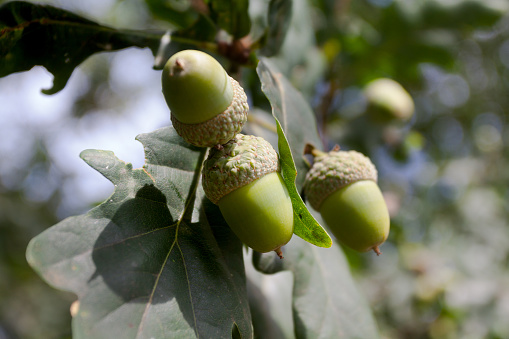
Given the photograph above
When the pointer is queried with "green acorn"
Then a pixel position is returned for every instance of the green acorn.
(243, 178)
(208, 107)
(388, 101)
(342, 186)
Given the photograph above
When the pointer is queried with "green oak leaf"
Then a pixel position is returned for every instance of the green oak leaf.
(156, 259)
(305, 225)
(291, 111)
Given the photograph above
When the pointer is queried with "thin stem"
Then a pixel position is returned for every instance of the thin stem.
(311, 149)
(279, 252)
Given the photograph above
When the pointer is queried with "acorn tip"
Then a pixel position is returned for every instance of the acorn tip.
(279, 252)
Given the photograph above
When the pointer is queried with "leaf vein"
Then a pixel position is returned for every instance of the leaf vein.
(131, 237)
(190, 293)
(149, 302)
(191, 196)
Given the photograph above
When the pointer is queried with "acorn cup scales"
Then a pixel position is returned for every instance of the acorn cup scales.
(342, 186)
(243, 178)
(208, 107)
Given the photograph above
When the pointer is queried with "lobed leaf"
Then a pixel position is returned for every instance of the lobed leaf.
(155, 260)
(59, 40)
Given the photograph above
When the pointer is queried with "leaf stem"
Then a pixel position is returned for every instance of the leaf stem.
(279, 252)
(311, 149)
(191, 198)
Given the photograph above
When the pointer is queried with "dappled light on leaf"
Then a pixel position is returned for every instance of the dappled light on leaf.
(153, 259)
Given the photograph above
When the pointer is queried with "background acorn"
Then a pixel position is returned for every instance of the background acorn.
(388, 101)
(342, 186)
(243, 178)
(207, 106)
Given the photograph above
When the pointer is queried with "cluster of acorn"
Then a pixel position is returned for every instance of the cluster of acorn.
(242, 172)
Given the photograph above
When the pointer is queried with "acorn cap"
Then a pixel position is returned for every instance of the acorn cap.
(239, 162)
(222, 127)
(334, 170)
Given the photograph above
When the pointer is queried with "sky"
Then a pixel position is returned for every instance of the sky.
(29, 119)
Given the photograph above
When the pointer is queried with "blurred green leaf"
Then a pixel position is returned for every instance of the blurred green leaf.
(279, 17)
(462, 15)
(155, 258)
(179, 13)
(203, 30)
(397, 40)
(232, 16)
(24, 311)
(33, 35)
(326, 301)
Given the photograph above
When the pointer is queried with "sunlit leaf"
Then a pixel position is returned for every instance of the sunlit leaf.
(291, 110)
(305, 225)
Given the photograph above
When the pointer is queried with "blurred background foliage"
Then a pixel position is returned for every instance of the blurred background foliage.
(444, 270)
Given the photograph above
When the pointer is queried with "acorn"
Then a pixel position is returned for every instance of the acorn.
(243, 178)
(388, 101)
(342, 186)
(208, 107)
